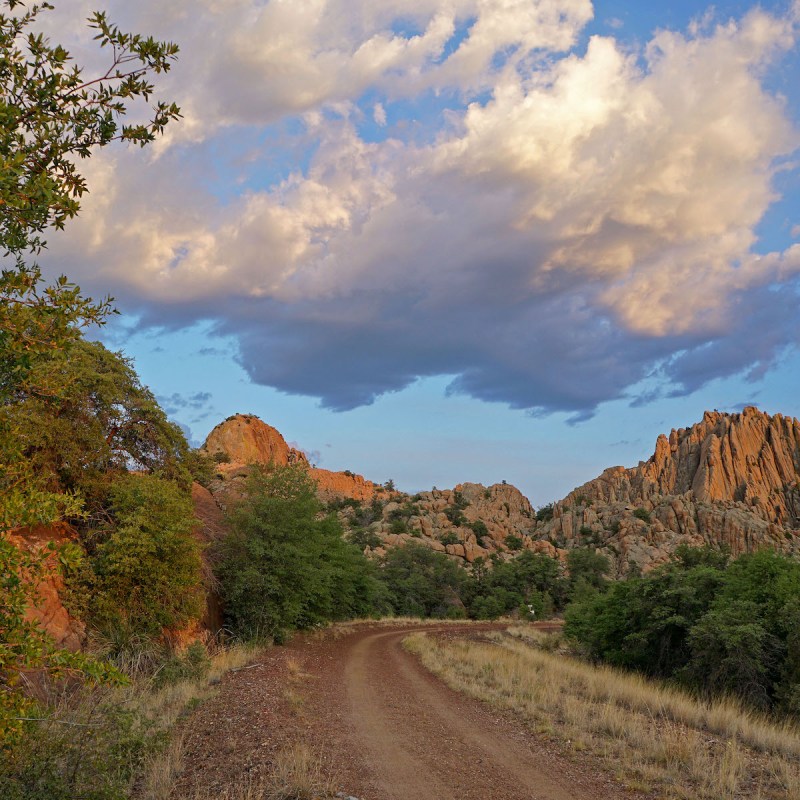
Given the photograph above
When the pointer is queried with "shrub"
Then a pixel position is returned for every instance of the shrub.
(363, 538)
(449, 538)
(455, 515)
(513, 543)
(545, 513)
(421, 582)
(148, 570)
(283, 567)
(190, 665)
(642, 514)
(459, 501)
(398, 526)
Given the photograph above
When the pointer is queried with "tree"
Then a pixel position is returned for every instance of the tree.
(98, 423)
(282, 566)
(148, 570)
(51, 115)
(587, 571)
(421, 582)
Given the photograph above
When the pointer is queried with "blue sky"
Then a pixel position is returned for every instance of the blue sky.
(475, 240)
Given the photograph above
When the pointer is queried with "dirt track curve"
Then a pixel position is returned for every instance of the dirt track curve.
(386, 728)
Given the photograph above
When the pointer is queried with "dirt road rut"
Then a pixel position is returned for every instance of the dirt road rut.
(385, 728)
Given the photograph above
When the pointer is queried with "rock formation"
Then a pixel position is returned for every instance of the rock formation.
(243, 440)
(752, 458)
(732, 480)
(49, 611)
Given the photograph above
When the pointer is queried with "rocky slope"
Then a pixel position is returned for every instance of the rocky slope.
(243, 440)
(467, 522)
(731, 479)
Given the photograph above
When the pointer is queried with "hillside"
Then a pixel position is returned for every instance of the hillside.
(731, 480)
(466, 522)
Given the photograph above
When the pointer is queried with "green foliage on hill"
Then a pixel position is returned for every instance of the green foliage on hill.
(531, 579)
(421, 582)
(51, 115)
(722, 629)
(83, 417)
(284, 566)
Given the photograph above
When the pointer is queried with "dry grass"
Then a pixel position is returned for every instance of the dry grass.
(651, 737)
(296, 775)
(166, 705)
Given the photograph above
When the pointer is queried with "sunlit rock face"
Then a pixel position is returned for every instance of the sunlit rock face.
(750, 458)
(730, 480)
(245, 439)
(47, 609)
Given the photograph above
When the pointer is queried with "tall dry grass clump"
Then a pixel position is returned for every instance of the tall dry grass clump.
(296, 774)
(110, 742)
(653, 738)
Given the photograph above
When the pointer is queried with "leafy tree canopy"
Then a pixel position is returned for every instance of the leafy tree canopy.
(83, 416)
(286, 567)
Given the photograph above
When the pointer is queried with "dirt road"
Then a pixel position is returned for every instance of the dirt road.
(385, 728)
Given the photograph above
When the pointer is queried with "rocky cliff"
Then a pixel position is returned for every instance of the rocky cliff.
(49, 611)
(750, 458)
(731, 479)
(243, 440)
(467, 522)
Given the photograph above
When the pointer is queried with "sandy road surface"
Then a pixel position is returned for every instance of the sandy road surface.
(386, 728)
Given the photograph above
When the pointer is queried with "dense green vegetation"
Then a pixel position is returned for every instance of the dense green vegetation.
(285, 566)
(719, 627)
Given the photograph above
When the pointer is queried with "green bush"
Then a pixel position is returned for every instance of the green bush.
(90, 749)
(398, 526)
(193, 664)
(283, 567)
(421, 582)
(528, 578)
(455, 515)
(148, 569)
(449, 538)
(545, 513)
(720, 628)
(514, 543)
(642, 514)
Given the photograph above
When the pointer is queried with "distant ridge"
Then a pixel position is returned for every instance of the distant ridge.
(731, 480)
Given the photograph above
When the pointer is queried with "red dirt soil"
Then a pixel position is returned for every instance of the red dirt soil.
(384, 727)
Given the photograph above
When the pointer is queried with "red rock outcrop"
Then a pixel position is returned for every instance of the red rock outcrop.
(245, 439)
(48, 611)
(343, 484)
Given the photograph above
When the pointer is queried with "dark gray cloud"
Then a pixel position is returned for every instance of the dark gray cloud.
(176, 402)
